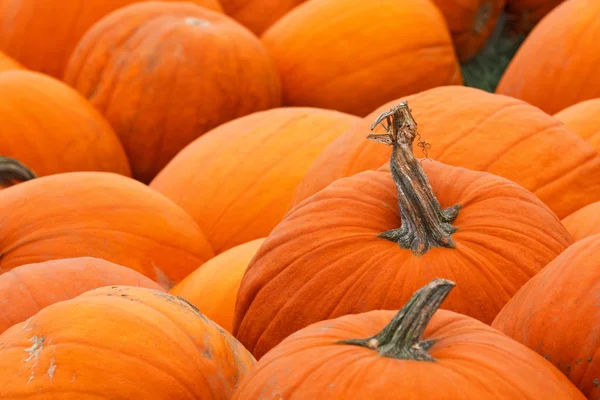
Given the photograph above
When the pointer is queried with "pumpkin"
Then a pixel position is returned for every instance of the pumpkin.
(41, 34)
(348, 249)
(12, 170)
(120, 343)
(51, 128)
(190, 70)
(102, 215)
(556, 314)
(241, 194)
(584, 119)
(213, 287)
(568, 70)
(481, 131)
(7, 63)
(418, 353)
(27, 289)
(584, 222)
(337, 54)
(258, 15)
(525, 14)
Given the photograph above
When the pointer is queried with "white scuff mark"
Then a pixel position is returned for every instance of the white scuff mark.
(162, 279)
(51, 368)
(73, 378)
(34, 353)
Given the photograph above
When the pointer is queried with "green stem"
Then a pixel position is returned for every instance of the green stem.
(12, 170)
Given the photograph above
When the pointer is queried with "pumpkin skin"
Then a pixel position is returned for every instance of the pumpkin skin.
(584, 222)
(329, 57)
(584, 119)
(258, 15)
(525, 14)
(99, 215)
(184, 54)
(155, 345)
(559, 306)
(27, 289)
(25, 24)
(244, 192)
(7, 63)
(481, 131)
(571, 28)
(51, 128)
(213, 287)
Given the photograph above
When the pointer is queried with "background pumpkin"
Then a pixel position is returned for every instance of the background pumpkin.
(51, 128)
(7, 63)
(42, 39)
(155, 346)
(258, 15)
(241, 194)
(213, 287)
(165, 73)
(525, 14)
(99, 215)
(584, 119)
(27, 289)
(330, 57)
(584, 222)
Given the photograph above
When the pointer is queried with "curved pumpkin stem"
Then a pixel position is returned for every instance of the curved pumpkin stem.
(12, 170)
(424, 223)
(401, 338)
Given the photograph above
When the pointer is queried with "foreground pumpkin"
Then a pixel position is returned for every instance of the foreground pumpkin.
(584, 222)
(27, 289)
(584, 119)
(337, 54)
(525, 14)
(348, 250)
(190, 70)
(556, 314)
(120, 343)
(258, 15)
(238, 180)
(99, 215)
(7, 63)
(213, 287)
(411, 355)
(480, 131)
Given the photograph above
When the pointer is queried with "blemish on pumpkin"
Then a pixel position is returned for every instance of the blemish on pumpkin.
(34, 353)
(589, 359)
(596, 382)
(51, 368)
(73, 378)
(192, 21)
(162, 279)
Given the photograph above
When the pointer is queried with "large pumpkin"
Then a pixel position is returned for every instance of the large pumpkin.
(41, 34)
(258, 15)
(556, 314)
(99, 215)
(584, 119)
(165, 73)
(348, 249)
(584, 222)
(481, 131)
(213, 287)
(51, 128)
(237, 181)
(339, 54)
(120, 343)
(525, 14)
(27, 289)
(7, 63)
(553, 80)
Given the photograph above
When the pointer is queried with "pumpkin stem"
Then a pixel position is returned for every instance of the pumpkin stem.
(401, 338)
(11, 170)
(424, 223)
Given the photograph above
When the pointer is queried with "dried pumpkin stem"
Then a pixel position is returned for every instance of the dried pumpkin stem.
(12, 170)
(424, 223)
(401, 338)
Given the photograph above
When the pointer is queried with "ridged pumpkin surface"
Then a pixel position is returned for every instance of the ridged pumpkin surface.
(481, 131)
(584, 222)
(556, 314)
(27, 289)
(165, 73)
(584, 119)
(525, 14)
(41, 34)
(120, 343)
(566, 75)
(258, 15)
(99, 215)
(338, 54)
(51, 128)
(213, 287)
(7, 63)
(237, 181)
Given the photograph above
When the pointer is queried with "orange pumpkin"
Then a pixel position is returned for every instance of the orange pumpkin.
(584, 119)
(12, 171)
(564, 76)
(238, 180)
(120, 343)
(41, 34)
(584, 222)
(481, 131)
(7, 63)
(99, 215)
(525, 14)
(556, 314)
(258, 15)
(190, 70)
(27, 289)
(51, 128)
(338, 54)
(213, 287)
(348, 250)
(409, 355)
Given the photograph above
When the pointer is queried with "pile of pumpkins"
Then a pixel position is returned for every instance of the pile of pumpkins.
(299, 199)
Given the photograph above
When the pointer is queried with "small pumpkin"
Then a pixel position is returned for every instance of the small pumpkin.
(27, 289)
(258, 15)
(556, 314)
(7, 63)
(213, 287)
(418, 353)
(120, 343)
(12, 171)
(584, 222)
(525, 14)
(584, 119)
(164, 73)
